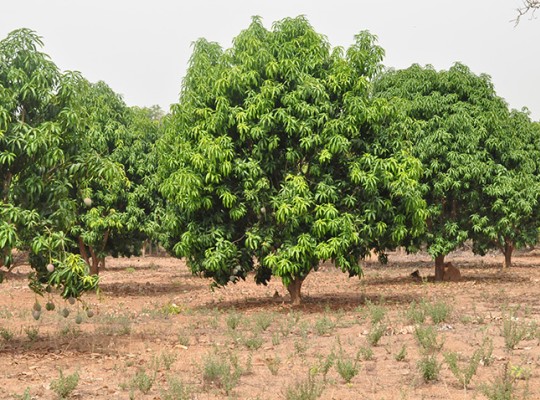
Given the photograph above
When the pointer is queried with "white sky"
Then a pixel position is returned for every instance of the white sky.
(141, 48)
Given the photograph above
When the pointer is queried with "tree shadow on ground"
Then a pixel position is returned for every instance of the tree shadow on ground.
(310, 304)
(136, 289)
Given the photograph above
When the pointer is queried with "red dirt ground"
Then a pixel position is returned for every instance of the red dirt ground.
(152, 315)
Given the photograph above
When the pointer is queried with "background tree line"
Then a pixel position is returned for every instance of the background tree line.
(281, 152)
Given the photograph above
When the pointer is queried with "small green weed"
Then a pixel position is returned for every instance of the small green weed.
(167, 359)
(263, 320)
(325, 364)
(221, 373)
(487, 351)
(376, 333)
(427, 339)
(513, 330)
(176, 390)
(64, 385)
(273, 364)
(365, 353)
(6, 334)
(401, 354)
(307, 389)
(300, 347)
(276, 339)
(416, 313)
(25, 396)
(463, 373)
(142, 381)
(233, 320)
(439, 311)
(502, 388)
(324, 326)
(32, 332)
(429, 368)
(184, 338)
(254, 342)
(170, 309)
(113, 324)
(376, 312)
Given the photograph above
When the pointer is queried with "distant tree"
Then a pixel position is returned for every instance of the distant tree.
(277, 157)
(456, 123)
(508, 215)
(138, 154)
(122, 202)
(101, 198)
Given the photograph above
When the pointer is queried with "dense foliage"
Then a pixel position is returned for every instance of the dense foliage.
(65, 145)
(277, 157)
(480, 174)
(281, 152)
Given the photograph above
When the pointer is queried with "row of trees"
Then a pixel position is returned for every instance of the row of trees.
(76, 169)
(281, 152)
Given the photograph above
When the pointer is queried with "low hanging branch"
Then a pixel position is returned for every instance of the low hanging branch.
(529, 6)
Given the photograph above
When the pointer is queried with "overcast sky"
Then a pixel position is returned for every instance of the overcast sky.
(141, 48)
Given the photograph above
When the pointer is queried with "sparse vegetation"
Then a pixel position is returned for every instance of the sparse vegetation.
(401, 354)
(464, 372)
(64, 385)
(429, 368)
(376, 333)
(427, 338)
(176, 390)
(143, 381)
(513, 330)
(273, 364)
(438, 311)
(501, 388)
(221, 372)
(307, 389)
(416, 313)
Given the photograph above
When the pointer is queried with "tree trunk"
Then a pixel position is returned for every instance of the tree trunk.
(6, 186)
(508, 250)
(94, 266)
(84, 253)
(143, 252)
(439, 268)
(294, 289)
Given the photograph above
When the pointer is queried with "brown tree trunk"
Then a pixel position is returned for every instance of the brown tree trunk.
(508, 250)
(439, 268)
(294, 289)
(94, 266)
(82, 250)
(143, 252)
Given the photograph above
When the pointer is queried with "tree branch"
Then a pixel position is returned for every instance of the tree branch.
(528, 6)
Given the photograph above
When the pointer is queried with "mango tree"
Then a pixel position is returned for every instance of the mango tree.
(277, 156)
(120, 203)
(508, 216)
(39, 142)
(460, 131)
(101, 197)
(138, 155)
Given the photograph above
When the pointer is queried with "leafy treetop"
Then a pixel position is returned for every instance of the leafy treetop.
(277, 156)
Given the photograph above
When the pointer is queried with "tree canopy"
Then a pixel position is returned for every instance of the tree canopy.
(277, 156)
(63, 154)
(476, 157)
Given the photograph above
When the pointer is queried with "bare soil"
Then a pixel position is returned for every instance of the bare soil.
(154, 322)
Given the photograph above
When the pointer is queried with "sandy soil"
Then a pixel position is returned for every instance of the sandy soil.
(156, 326)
